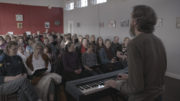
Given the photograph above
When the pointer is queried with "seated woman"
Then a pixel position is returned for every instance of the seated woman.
(22, 53)
(107, 56)
(84, 45)
(21, 41)
(125, 44)
(71, 63)
(89, 60)
(82, 49)
(29, 47)
(43, 81)
(92, 40)
(99, 45)
(13, 78)
(2, 43)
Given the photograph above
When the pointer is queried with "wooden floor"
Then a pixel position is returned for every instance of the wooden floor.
(172, 92)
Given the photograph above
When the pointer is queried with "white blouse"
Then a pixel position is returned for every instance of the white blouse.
(40, 64)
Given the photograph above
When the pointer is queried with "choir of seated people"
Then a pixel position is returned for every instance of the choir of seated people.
(13, 75)
(70, 56)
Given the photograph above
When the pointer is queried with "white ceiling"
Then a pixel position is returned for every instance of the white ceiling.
(52, 3)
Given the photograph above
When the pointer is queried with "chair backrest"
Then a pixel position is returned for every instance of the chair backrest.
(12, 97)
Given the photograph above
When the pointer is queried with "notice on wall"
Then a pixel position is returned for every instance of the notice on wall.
(10, 33)
(19, 17)
(47, 25)
(19, 25)
(112, 24)
(28, 32)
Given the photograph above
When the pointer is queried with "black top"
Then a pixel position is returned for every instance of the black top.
(71, 61)
(11, 66)
(116, 46)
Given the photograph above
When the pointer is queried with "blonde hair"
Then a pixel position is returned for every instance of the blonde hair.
(38, 44)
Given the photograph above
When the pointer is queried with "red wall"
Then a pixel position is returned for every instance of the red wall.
(34, 18)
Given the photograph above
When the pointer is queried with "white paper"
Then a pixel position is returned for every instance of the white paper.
(10, 33)
(28, 32)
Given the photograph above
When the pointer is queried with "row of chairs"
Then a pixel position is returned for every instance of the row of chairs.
(12, 97)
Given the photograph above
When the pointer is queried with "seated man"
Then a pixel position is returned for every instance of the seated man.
(13, 75)
(115, 44)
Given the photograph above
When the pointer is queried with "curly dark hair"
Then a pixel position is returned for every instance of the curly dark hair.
(145, 18)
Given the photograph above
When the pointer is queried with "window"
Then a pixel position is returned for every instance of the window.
(82, 3)
(98, 1)
(70, 6)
